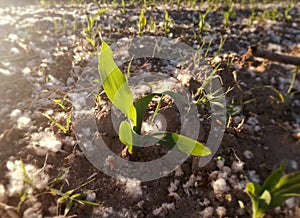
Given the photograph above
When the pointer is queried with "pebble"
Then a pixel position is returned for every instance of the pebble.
(207, 212)
(252, 121)
(220, 186)
(237, 166)
(290, 203)
(248, 154)
(221, 211)
(91, 197)
(253, 177)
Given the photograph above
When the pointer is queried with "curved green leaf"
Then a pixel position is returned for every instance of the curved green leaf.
(183, 143)
(115, 84)
(126, 135)
(273, 179)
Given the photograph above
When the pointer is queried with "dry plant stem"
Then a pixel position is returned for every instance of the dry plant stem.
(9, 210)
(254, 51)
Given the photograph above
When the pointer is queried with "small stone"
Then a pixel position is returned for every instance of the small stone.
(290, 203)
(207, 212)
(248, 154)
(220, 186)
(91, 197)
(252, 121)
(253, 177)
(257, 128)
(237, 166)
(221, 211)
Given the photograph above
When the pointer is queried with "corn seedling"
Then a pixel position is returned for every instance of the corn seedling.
(275, 190)
(152, 25)
(88, 31)
(287, 11)
(202, 23)
(167, 23)
(142, 22)
(252, 16)
(123, 6)
(227, 15)
(118, 92)
(178, 4)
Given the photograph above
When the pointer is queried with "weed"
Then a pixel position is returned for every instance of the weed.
(275, 190)
(117, 90)
(62, 103)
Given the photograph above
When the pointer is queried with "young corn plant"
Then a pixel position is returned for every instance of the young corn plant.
(167, 23)
(202, 23)
(118, 92)
(227, 15)
(275, 190)
(88, 31)
(142, 22)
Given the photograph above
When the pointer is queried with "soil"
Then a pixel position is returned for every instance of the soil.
(43, 57)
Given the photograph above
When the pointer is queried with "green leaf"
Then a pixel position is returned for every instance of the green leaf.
(126, 135)
(183, 143)
(61, 127)
(68, 208)
(70, 192)
(266, 196)
(288, 180)
(89, 203)
(273, 179)
(101, 11)
(115, 84)
(78, 195)
(62, 200)
(27, 179)
(141, 106)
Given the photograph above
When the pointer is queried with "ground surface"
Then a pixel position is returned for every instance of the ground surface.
(43, 55)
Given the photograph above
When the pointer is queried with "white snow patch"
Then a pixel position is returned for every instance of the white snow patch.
(23, 122)
(132, 186)
(44, 142)
(15, 114)
(220, 186)
(16, 177)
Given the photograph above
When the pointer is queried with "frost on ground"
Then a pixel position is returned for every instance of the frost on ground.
(44, 142)
(24, 178)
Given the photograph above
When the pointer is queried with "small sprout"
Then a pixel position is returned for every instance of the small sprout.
(118, 91)
(275, 190)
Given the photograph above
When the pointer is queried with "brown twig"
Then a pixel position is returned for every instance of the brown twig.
(254, 51)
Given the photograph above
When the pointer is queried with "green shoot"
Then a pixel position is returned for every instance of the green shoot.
(142, 22)
(117, 90)
(227, 15)
(66, 128)
(275, 190)
(167, 23)
(202, 23)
